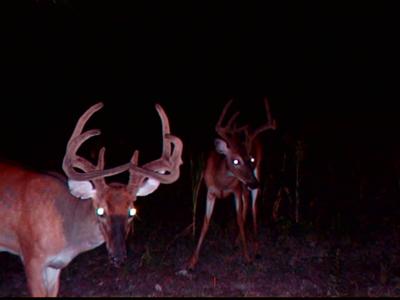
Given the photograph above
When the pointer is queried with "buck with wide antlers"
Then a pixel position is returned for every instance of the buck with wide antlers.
(45, 221)
(233, 167)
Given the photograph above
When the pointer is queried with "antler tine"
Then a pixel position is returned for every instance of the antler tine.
(100, 166)
(267, 109)
(100, 160)
(270, 124)
(166, 152)
(221, 130)
(166, 168)
(72, 160)
(231, 120)
(176, 156)
(84, 118)
(135, 158)
(73, 146)
(165, 129)
(74, 142)
(242, 128)
(165, 171)
(134, 180)
(223, 113)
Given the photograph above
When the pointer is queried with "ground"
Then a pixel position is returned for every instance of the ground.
(296, 261)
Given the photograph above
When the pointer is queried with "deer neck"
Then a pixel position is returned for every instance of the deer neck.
(218, 174)
(83, 233)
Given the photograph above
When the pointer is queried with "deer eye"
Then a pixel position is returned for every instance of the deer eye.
(100, 211)
(252, 159)
(235, 162)
(131, 212)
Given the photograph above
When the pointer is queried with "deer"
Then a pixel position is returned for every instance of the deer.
(47, 219)
(233, 167)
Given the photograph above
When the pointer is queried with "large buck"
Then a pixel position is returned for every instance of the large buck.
(233, 167)
(45, 221)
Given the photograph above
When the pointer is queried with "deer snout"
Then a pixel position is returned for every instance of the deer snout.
(118, 256)
(118, 261)
(249, 180)
(117, 245)
(254, 184)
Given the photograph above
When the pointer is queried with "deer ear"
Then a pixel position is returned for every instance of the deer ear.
(148, 186)
(81, 189)
(221, 146)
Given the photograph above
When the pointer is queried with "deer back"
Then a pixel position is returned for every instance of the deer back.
(40, 206)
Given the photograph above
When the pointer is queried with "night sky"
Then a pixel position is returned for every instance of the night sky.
(329, 69)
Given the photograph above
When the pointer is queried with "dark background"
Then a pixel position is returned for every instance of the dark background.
(328, 68)
(330, 71)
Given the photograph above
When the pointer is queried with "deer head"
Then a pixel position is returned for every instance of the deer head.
(114, 203)
(236, 148)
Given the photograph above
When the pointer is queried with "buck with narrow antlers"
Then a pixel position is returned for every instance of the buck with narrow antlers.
(45, 223)
(234, 168)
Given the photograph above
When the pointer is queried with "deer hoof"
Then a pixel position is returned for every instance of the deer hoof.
(192, 263)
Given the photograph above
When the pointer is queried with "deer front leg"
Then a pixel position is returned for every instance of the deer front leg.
(254, 194)
(34, 270)
(52, 279)
(209, 210)
(245, 203)
(240, 222)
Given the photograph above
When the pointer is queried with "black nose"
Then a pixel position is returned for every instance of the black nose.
(253, 185)
(117, 261)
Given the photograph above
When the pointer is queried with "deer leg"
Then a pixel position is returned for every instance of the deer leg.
(239, 219)
(52, 281)
(245, 201)
(34, 270)
(254, 194)
(206, 223)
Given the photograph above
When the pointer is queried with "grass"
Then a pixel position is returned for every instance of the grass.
(196, 175)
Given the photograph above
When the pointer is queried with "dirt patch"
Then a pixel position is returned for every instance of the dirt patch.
(296, 261)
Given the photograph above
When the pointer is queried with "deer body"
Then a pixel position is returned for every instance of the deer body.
(232, 168)
(47, 221)
(46, 251)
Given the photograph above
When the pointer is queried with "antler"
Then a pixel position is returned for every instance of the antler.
(100, 182)
(228, 129)
(72, 160)
(166, 168)
(270, 124)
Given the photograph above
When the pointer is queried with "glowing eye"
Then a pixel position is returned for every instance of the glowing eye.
(235, 162)
(132, 212)
(252, 159)
(100, 211)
